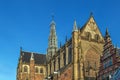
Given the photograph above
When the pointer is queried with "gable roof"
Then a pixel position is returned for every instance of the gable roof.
(83, 27)
(91, 18)
(38, 58)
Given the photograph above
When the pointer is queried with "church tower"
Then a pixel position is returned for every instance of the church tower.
(52, 41)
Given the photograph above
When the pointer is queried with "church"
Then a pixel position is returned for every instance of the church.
(77, 59)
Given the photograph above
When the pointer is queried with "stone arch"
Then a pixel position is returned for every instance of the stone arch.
(92, 58)
(93, 47)
(25, 68)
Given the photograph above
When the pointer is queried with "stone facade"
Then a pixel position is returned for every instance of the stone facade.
(82, 51)
(77, 59)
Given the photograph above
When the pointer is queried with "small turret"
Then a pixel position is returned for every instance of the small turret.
(107, 36)
(32, 56)
(107, 33)
(32, 67)
(108, 41)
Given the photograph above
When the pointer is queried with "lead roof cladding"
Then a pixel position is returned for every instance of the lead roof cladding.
(38, 58)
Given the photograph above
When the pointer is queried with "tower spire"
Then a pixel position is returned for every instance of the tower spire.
(75, 26)
(52, 40)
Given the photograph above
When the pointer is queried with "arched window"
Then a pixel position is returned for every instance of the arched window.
(41, 70)
(54, 65)
(36, 69)
(97, 37)
(69, 55)
(59, 62)
(25, 69)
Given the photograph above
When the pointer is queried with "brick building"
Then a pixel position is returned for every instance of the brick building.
(31, 66)
(110, 60)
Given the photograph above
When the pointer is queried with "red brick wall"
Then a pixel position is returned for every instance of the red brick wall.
(39, 76)
(32, 70)
(25, 76)
(66, 75)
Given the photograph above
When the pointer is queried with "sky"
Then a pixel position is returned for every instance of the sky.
(26, 24)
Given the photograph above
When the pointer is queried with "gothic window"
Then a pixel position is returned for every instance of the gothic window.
(97, 37)
(50, 68)
(36, 69)
(41, 70)
(54, 65)
(59, 62)
(25, 69)
(64, 57)
(88, 35)
(69, 54)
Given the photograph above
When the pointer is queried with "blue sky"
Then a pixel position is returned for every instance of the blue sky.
(26, 23)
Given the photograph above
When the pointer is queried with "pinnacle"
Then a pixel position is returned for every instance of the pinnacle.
(32, 56)
(107, 33)
(75, 26)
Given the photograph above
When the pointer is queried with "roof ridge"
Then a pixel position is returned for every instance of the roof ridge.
(33, 52)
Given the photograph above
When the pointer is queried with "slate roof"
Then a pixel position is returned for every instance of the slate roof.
(39, 58)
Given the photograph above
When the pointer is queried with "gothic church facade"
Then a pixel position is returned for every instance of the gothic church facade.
(77, 59)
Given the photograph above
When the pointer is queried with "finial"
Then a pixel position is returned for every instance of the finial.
(32, 56)
(53, 22)
(107, 33)
(75, 26)
(91, 13)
